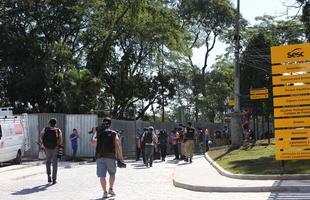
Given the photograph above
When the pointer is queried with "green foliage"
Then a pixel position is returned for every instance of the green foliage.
(38, 42)
(218, 90)
(127, 54)
(278, 32)
(258, 160)
(255, 65)
(306, 18)
(74, 56)
(255, 56)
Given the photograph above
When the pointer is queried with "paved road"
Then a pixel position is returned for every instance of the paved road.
(135, 182)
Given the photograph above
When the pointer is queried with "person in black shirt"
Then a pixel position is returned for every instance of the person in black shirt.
(189, 142)
(163, 140)
(149, 139)
(108, 149)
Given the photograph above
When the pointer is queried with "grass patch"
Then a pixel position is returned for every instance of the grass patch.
(258, 160)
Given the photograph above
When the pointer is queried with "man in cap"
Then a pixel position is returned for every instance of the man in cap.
(149, 139)
(108, 149)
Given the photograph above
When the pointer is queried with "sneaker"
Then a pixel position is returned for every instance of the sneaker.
(54, 181)
(111, 192)
(49, 179)
(105, 195)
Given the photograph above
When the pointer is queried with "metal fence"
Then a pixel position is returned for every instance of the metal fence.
(33, 135)
(83, 123)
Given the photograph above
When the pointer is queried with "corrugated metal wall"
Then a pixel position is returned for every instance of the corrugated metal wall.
(169, 126)
(83, 123)
(127, 128)
(33, 135)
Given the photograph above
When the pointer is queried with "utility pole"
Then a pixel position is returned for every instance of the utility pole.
(236, 131)
(162, 86)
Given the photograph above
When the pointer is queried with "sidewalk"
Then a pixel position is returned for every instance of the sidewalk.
(201, 176)
(29, 164)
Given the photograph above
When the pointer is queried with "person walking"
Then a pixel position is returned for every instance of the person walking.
(145, 130)
(74, 143)
(181, 144)
(108, 149)
(217, 136)
(50, 139)
(149, 139)
(200, 140)
(138, 144)
(206, 133)
(163, 140)
(174, 135)
(189, 142)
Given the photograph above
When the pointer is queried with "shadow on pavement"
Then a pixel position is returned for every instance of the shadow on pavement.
(185, 163)
(289, 196)
(172, 161)
(301, 194)
(26, 191)
(139, 166)
(252, 166)
(109, 198)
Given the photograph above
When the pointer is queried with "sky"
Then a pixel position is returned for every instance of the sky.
(249, 10)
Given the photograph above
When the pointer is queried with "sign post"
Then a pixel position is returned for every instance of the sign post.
(291, 98)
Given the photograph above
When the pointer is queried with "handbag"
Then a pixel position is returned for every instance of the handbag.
(121, 164)
(42, 154)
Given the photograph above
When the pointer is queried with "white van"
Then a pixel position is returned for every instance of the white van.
(14, 140)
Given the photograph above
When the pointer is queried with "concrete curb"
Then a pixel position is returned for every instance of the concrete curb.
(226, 173)
(198, 188)
(276, 186)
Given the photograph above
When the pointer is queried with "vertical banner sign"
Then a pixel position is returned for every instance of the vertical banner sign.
(291, 100)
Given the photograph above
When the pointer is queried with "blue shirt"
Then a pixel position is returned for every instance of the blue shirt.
(73, 141)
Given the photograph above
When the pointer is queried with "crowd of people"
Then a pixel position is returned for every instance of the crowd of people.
(152, 144)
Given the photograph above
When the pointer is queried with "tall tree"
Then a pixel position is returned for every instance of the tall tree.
(218, 88)
(39, 40)
(206, 22)
(124, 55)
(305, 18)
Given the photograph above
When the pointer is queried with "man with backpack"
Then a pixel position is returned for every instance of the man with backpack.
(108, 149)
(51, 138)
(149, 139)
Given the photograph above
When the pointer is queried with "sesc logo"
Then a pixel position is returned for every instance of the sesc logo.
(295, 53)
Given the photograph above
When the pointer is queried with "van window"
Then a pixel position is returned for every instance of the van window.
(0, 133)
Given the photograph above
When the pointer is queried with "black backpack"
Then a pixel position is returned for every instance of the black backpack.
(148, 138)
(50, 138)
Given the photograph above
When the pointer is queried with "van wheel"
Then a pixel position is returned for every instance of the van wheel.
(18, 159)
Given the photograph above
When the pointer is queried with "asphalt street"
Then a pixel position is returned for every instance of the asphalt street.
(79, 181)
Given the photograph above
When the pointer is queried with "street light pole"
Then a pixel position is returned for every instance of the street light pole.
(236, 132)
